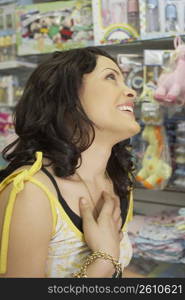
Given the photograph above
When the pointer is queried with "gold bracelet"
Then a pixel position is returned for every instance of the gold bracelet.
(92, 257)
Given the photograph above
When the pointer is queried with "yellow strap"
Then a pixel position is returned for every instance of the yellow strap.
(18, 179)
(24, 174)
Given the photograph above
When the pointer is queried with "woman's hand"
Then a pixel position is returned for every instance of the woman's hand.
(104, 233)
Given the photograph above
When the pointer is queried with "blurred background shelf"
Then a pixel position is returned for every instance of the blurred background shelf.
(151, 202)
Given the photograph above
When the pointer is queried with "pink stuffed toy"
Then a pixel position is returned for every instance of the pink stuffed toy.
(171, 85)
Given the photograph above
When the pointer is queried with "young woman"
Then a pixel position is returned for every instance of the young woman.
(65, 196)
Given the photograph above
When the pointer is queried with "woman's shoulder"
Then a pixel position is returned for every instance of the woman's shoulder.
(27, 184)
(26, 175)
(24, 188)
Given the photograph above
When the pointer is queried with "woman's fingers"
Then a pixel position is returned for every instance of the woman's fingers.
(111, 209)
(108, 206)
(86, 212)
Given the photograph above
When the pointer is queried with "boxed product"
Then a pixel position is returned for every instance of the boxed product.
(10, 90)
(48, 27)
(179, 174)
(161, 18)
(115, 21)
(7, 132)
(132, 68)
(7, 33)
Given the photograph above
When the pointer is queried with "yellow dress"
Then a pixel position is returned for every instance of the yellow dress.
(67, 248)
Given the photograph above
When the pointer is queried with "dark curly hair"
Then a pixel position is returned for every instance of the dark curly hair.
(50, 118)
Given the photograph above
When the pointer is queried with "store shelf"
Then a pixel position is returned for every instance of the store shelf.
(139, 45)
(150, 202)
(16, 64)
(133, 47)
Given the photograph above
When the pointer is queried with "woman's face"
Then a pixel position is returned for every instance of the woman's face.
(107, 101)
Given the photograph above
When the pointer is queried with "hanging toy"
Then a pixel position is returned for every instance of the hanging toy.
(171, 87)
(156, 169)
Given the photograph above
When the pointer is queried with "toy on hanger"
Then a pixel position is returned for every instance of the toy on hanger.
(171, 86)
(155, 170)
(156, 164)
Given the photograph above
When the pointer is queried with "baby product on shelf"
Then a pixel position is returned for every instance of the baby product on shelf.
(152, 14)
(6, 131)
(7, 33)
(161, 18)
(11, 89)
(132, 68)
(159, 237)
(179, 174)
(48, 27)
(115, 21)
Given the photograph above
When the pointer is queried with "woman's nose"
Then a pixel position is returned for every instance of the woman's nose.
(129, 93)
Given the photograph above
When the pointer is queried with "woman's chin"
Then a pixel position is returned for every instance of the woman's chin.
(137, 128)
(134, 129)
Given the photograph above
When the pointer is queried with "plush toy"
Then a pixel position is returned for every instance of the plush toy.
(155, 169)
(171, 85)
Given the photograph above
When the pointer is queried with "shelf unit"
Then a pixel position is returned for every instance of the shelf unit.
(16, 64)
(139, 45)
(152, 202)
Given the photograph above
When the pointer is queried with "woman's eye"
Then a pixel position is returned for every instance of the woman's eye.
(111, 76)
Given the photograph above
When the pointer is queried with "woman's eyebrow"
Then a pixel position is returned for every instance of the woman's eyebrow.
(117, 72)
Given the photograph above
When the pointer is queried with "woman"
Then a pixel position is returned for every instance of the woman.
(68, 200)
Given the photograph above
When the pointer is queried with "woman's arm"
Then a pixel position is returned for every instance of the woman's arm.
(30, 232)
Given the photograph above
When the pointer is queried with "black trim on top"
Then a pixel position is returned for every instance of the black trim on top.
(72, 215)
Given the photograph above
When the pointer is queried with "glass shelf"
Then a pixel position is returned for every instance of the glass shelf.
(16, 64)
(138, 46)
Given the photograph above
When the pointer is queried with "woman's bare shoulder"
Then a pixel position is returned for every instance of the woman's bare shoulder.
(30, 196)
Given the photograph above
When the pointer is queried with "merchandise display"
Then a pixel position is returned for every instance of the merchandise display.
(162, 236)
(115, 21)
(169, 15)
(10, 90)
(47, 27)
(156, 165)
(6, 131)
(154, 170)
(7, 33)
(179, 174)
(6, 90)
(132, 68)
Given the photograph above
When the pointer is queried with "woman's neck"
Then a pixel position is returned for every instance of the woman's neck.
(94, 163)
